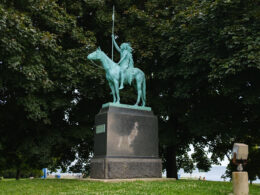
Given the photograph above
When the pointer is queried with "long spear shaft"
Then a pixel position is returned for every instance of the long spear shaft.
(113, 19)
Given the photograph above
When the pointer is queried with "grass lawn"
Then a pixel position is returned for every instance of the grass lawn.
(66, 186)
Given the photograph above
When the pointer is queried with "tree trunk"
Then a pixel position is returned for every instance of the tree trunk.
(171, 166)
(18, 173)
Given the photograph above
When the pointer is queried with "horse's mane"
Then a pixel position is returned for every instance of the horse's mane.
(107, 58)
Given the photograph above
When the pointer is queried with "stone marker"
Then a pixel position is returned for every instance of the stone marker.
(240, 178)
(125, 143)
(240, 183)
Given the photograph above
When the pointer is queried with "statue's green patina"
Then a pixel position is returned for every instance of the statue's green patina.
(121, 73)
(126, 60)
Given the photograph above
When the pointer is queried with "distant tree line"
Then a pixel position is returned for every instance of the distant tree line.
(202, 65)
(25, 173)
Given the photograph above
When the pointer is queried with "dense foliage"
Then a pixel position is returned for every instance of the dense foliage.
(202, 64)
(44, 73)
(25, 173)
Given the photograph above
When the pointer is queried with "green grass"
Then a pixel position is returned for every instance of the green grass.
(66, 186)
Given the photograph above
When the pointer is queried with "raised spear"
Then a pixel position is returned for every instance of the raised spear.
(113, 20)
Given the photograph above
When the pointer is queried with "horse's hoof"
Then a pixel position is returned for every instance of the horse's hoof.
(121, 87)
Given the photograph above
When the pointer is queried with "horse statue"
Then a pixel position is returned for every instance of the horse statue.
(112, 70)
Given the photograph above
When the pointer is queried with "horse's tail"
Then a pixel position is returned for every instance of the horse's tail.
(144, 89)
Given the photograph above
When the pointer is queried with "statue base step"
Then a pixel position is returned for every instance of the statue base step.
(124, 168)
(126, 106)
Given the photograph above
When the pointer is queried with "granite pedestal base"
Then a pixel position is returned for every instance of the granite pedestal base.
(125, 144)
(123, 168)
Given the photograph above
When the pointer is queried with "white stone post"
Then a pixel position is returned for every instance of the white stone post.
(240, 183)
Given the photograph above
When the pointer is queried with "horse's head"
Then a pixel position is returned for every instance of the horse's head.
(95, 55)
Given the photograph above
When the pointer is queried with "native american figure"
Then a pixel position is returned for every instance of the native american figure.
(126, 61)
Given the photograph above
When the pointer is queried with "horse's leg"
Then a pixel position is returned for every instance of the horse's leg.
(143, 101)
(116, 85)
(139, 91)
(143, 91)
(113, 91)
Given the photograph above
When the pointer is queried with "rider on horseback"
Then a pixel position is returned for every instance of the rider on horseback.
(126, 61)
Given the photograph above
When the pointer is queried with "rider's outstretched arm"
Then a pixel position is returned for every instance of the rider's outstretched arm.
(116, 46)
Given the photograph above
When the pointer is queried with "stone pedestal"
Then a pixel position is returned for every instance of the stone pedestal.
(240, 183)
(125, 144)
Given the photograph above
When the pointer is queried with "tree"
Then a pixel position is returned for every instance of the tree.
(211, 74)
(43, 72)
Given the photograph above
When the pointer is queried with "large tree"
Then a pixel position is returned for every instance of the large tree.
(43, 74)
(210, 73)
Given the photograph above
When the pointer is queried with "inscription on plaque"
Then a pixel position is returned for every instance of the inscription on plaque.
(100, 128)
